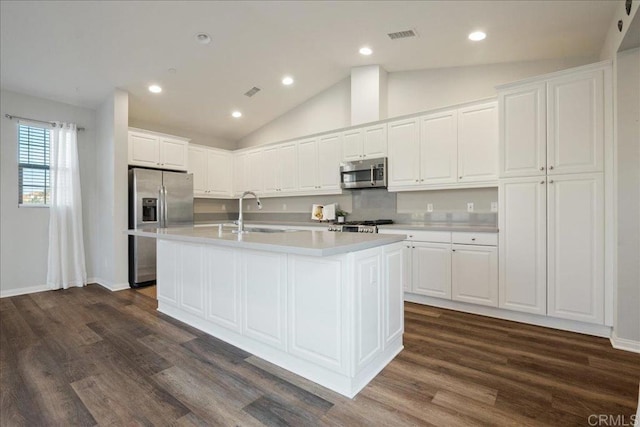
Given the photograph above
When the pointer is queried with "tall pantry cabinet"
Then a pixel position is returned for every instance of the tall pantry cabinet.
(551, 193)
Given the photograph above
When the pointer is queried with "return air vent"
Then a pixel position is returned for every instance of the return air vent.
(402, 34)
(252, 91)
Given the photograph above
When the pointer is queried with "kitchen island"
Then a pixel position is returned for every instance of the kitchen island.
(326, 306)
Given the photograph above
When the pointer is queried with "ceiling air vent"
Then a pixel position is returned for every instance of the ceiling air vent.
(252, 91)
(402, 34)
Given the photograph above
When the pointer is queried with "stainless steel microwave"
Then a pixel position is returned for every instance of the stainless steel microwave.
(369, 173)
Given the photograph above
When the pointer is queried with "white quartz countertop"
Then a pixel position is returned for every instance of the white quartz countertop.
(312, 243)
(399, 226)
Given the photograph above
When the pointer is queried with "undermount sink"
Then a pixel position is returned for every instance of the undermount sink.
(266, 230)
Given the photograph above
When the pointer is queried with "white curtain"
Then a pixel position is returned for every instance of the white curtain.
(66, 263)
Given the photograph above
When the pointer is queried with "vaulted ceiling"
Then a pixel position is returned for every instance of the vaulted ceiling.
(79, 51)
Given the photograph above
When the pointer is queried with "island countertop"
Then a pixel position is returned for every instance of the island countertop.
(312, 243)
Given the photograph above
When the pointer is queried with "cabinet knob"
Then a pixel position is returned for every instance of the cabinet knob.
(410, 236)
(550, 167)
(413, 247)
(459, 177)
(473, 239)
(416, 180)
(453, 250)
(541, 168)
(422, 180)
(550, 181)
(541, 182)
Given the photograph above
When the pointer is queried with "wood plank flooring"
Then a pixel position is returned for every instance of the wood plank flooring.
(87, 356)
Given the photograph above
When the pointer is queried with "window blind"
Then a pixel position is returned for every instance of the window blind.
(33, 165)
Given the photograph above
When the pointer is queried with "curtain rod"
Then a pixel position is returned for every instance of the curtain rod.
(10, 117)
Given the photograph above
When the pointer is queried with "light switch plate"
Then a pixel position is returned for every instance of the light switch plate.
(494, 206)
(429, 207)
(284, 206)
(470, 207)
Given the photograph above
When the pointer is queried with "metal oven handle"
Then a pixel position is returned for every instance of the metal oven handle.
(373, 182)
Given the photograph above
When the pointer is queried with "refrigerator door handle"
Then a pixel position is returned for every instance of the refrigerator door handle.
(165, 208)
(160, 207)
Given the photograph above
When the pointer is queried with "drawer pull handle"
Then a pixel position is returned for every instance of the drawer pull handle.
(473, 239)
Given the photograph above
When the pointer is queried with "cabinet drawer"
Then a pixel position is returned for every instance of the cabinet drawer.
(485, 239)
(429, 236)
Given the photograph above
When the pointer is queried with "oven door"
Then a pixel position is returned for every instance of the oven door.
(364, 174)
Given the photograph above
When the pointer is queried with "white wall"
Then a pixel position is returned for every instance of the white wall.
(111, 192)
(196, 138)
(24, 231)
(407, 92)
(330, 109)
(627, 320)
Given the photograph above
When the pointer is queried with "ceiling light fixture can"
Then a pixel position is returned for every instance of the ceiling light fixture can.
(203, 38)
(365, 51)
(476, 36)
(236, 114)
(155, 89)
(287, 80)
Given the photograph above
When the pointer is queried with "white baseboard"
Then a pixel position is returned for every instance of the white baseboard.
(23, 291)
(499, 313)
(113, 287)
(624, 344)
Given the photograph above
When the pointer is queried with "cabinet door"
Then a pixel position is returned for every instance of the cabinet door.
(576, 247)
(198, 167)
(219, 173)
(352, 145)
(478, 143)
(439, 148)
(288, 161)
(223, 286)
(329, 162)
(575, 114)
(431, 265)
(474, 274)
(174, 154)
(375, 141)
(272, 171)
(393, 267)
(254, 171)
(308, 164)
(368, 310)
(144, 150)
(239, 173)
(523, 134)
(523, 244)
(404, 153)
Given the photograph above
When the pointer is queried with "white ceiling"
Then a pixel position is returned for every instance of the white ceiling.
(79, 51)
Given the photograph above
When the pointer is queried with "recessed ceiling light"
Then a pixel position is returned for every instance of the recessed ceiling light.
(287, 80)
(155, 89)
(476, 36)
(236, 114)
(203, 38)
(365, 51)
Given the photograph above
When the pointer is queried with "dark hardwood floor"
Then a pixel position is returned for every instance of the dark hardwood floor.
(86, 356)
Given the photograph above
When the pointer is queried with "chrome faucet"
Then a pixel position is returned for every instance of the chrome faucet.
(240, 220)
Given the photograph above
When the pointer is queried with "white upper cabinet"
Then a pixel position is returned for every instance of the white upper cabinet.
(365, 143)
(156, 150)
(438, 148)
(404, 153)
(329, 147)
(254, 167)
(239, 176)
(279, 167)
(575, 114)
(555, 125)
(523, 131)
(447, 149)
(212, 171)
(308, 164)
(478, 143)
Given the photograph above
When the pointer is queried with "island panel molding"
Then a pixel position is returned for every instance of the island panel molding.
(336, 320)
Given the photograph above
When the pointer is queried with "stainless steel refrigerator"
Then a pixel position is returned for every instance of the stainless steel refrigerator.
(157, 199)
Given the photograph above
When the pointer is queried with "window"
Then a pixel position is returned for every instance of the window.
(33, 165)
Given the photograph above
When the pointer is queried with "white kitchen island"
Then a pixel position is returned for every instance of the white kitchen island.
(327, 306)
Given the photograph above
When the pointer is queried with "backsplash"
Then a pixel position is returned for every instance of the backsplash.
(449, 206)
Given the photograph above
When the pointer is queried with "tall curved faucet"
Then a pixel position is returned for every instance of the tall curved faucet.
(240, 217)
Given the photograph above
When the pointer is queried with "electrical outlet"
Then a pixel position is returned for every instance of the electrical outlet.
(429, 207)
(494, 206)
(224, 207)
(470, 207)
(284, 206)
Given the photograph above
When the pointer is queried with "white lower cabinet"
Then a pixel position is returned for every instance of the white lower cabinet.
(431, 269)
(223, 299)
(474, 274)
(552, 246)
